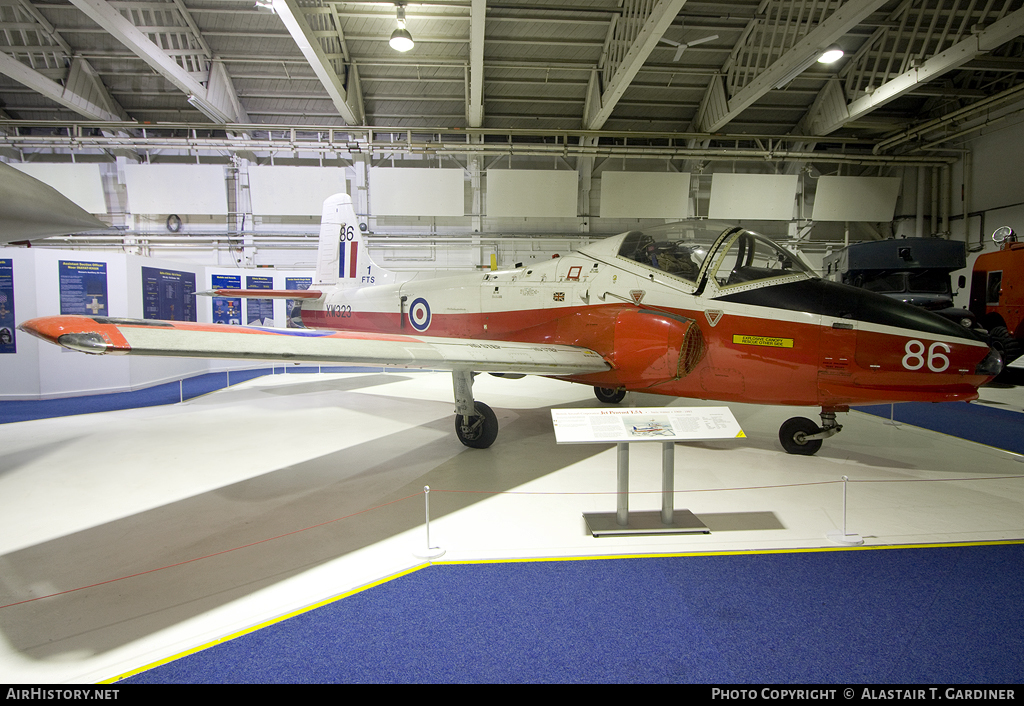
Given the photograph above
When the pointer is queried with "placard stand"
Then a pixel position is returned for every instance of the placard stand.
(623, 425)
(668, 521)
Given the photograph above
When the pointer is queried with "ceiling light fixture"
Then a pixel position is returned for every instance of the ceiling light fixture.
(831, 55)
(401, 40)
(825, 56)
(265, 5)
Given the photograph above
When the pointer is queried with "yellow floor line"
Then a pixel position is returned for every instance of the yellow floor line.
(406, 572)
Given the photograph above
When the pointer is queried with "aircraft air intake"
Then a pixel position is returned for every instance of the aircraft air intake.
(693, 350)
(653, 347)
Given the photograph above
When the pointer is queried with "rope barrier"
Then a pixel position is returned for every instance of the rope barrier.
(488, 492)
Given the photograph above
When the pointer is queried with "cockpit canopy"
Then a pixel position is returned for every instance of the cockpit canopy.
(730, 258)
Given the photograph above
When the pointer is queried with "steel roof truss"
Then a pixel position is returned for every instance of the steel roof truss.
(831, 110)
(213, 105)
(631, 39)
(348, 101)
(475, 94)
(753, 69)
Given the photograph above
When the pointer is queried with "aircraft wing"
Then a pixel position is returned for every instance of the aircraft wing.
(30, 209)
(112, 336)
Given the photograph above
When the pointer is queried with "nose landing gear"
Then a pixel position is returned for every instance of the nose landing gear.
(610, 395)
(801, 436)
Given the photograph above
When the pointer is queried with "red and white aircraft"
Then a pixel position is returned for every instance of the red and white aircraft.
(687, 311)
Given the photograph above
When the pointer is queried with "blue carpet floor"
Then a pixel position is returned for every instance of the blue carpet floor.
(166, 393)
(917, 615)
(1001, 428)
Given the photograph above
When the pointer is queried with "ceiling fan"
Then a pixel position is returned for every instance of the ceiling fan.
(683, 46)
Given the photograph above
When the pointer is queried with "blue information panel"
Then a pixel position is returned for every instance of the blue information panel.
(83, 288)
(7, 332)
(168, 295)
(259, 312)
(227, 310)
(290, 304)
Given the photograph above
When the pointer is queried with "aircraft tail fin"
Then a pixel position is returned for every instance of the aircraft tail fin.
(342, 256)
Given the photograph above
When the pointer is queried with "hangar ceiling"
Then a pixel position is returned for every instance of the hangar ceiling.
(743, 67)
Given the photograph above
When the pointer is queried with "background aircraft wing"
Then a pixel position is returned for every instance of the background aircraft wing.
(104, 335)
(30, 209)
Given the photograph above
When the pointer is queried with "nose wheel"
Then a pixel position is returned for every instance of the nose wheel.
(803, 437)
(609, 395)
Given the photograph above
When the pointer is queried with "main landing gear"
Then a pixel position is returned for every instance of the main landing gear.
(476, 425)
(610, 395)
(800, 435)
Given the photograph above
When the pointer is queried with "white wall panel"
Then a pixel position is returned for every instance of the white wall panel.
(176, 188)
(764, 197)
(855, 198)
(533, 193)
(417, 192)
(645, 195)
(80, 183)
(293, 191)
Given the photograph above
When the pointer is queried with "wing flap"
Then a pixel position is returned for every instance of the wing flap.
(102, 335)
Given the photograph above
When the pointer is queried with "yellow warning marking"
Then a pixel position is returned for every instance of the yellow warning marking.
(769, 341)
(741, 435)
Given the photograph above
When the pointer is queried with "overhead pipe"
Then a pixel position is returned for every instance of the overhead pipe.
(919, 220)
(956, 116)
(947, 197)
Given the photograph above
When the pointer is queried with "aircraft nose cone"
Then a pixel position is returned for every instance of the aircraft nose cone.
(992, 364)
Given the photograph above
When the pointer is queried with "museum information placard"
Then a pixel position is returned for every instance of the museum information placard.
(168, 295)
(587, 426)
(259, 312)
(83, 288)
(227, 310)
(7, 333)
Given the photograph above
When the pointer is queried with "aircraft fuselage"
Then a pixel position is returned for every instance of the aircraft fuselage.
(801, 341)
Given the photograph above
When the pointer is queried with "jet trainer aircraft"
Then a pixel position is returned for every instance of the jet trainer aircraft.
(687, 311)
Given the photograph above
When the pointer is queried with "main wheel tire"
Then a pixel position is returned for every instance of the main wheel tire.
(792, 434)
(610, 395)
(1010, 348)
(480, 431)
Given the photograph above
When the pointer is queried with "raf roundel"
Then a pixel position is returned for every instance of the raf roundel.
(419, 315)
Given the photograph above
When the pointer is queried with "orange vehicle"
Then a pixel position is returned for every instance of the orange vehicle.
(997, 294)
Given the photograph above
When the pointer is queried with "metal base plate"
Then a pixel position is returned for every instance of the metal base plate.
(605, 524)
(838, 537)
(430, 553)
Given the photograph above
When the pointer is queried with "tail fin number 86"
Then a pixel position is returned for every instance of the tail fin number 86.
(915, 356)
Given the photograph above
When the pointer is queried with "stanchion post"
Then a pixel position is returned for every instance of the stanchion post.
(668, 481)
(430, 552)
(622, 503)
(844, 537)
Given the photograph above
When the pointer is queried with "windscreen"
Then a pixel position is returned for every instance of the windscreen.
(746, 257)
(677, 249)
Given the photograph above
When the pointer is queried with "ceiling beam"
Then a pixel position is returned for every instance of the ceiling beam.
(475, 95)
(84, 93)
(718, 110)
(348, 103)
(830, 110)
(211, 103)
(600, 103)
